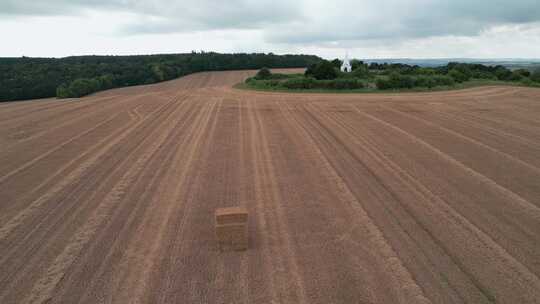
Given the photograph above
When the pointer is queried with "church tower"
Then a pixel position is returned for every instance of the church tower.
(346, 66)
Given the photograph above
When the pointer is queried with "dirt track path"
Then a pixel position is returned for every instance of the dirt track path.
(395, 198)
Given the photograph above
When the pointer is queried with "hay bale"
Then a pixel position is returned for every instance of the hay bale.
(231, 215)
(232, 237)
(231, 228)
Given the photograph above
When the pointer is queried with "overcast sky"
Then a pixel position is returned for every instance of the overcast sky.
(363, 28)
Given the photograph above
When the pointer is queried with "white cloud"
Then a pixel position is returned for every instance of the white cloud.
(386, 28)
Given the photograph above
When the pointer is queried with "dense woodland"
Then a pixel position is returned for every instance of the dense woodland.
(28, 78)
(325, 75)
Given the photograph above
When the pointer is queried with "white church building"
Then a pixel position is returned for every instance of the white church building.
(346, 65)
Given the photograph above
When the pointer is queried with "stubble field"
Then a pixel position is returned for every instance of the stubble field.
(372, 198)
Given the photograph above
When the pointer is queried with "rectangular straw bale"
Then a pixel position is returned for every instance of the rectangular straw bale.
(232, 236)
(231, 215)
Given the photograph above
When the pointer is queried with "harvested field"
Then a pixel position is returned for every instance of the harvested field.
(374, 198)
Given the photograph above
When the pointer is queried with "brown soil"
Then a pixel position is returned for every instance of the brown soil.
(395, 198)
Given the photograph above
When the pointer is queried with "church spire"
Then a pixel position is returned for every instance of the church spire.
(346, 66)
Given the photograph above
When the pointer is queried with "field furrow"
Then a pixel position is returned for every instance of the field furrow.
(373, 198)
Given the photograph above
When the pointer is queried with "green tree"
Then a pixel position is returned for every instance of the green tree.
(355, 64)
(516, 76)
(106, 82)
(425, 81)
(361, 71)
(458, 76)
(263, 73)
(395, 81)
(464, 69)
(337, 63)
(158, 72)
(503, 73)
(426, 71)
(299, 83)
(323, 70)
(63, 92)
(522, 72)
(535, 76)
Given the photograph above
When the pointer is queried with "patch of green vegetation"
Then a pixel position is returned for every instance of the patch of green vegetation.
(29, 78)
(325, 77)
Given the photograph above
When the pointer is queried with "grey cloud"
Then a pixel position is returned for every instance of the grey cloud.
(157, 16)
(237, 14)
(302, 22)
(395, 20)
(55, 7)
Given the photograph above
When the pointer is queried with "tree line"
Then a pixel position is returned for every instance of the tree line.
(383, 76)
(29, 78)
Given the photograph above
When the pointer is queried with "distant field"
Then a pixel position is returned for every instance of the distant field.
(353, 198)
(509, 63)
